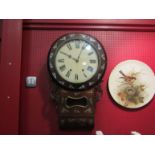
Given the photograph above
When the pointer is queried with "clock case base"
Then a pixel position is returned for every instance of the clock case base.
(73, 123)
(76, 109)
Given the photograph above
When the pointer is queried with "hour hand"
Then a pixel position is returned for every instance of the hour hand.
(76, 60)
(69, 56)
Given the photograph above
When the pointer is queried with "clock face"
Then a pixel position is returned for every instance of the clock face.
(76, 61)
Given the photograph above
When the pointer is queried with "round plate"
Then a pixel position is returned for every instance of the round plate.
(132, 84)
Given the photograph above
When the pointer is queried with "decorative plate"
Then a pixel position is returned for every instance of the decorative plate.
(132, 84)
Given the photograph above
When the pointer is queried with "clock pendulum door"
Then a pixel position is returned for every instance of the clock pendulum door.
(76, 110)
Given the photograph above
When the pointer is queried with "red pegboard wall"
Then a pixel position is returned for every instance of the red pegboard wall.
(0, 36)
(37, 110)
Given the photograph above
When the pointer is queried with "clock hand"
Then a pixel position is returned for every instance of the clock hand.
(77, 60)
(84, 46)
(69, 56)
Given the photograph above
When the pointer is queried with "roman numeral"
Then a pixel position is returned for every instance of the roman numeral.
(68, 73)
(77, 44)
(89, 68)
(69, 46)
(76, 76)
(90, 53)
(61, 60)
(62, 68)
(92, 61)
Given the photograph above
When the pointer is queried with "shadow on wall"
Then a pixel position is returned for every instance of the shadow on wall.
(49, 110)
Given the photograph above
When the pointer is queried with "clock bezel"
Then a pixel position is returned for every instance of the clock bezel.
(102, 61)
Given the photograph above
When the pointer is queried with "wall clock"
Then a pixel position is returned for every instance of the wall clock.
(77, 61)
(132, 84)
(76, 64)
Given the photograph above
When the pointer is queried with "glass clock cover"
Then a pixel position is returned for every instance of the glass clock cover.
(76, 61)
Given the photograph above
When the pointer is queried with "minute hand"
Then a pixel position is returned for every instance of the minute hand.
(79, 55)
(81, 51)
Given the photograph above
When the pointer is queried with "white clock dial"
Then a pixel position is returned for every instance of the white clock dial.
(76, 61)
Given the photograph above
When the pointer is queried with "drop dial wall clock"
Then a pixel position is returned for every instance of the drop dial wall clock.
(76, 64)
